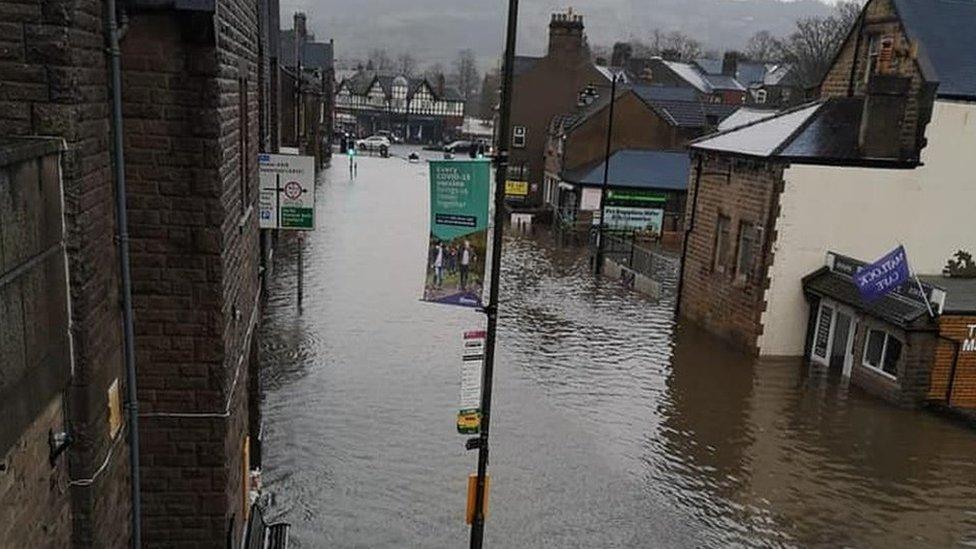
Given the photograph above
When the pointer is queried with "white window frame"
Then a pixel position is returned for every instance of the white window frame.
(884, 353)
(835, 310)
(519, 137)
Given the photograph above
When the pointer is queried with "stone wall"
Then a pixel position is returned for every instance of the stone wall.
(846, 77)
(192, 139)
(911, 386)
(54, 83)
(723, 302)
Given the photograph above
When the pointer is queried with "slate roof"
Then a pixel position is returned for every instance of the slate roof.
(318, 55)
(751, 72)
(960, 293)
(690, 74)
(523, 63)
(777, 74)
(896, 309)
(666, 170)
(723, 82)
(672, 93)
(944, 30)
(821, 132)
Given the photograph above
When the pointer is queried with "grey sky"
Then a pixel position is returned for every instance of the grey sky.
(434, 30)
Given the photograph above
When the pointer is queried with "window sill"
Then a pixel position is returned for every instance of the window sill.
(879, 371)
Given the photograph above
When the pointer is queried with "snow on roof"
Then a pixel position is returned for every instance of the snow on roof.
(761, 138)
(690, 74)
(743, 116)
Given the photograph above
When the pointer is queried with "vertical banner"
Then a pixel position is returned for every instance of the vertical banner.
(459, 197)
(472, 359)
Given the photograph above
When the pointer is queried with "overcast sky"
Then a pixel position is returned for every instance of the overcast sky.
(434, 30)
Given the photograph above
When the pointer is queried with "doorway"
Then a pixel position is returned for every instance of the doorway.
(834, 337)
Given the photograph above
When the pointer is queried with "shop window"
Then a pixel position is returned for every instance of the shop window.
(882, 352)
(518, 137)
(749, 235)
(723, 244)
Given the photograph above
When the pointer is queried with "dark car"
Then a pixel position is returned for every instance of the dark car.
(458, 147)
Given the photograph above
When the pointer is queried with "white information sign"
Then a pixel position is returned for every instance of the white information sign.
(472, 359)
(287, 198)
(623, 217)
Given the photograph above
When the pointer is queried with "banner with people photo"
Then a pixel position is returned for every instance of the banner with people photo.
(459, 194)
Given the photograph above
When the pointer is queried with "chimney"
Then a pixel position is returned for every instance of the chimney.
(440, 84)
(566, 37)
(301, 32)
(622, 52)
(730, 63)
(882, 115)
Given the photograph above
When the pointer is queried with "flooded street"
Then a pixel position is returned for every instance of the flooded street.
(611, 426)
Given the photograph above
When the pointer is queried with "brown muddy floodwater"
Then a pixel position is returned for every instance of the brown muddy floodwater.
(612, 426)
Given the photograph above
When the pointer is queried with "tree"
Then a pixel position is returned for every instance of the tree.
(763, 46)
(380, 60)
(488, 98)
(466, 75)
(678, 46)
(406, 64)
(434, 72)
(815, 41)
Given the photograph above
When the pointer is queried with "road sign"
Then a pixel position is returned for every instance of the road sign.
(287, 198)
(472, 359)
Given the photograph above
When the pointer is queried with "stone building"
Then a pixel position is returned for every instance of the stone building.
(882, 158)
(542, 88)
(193, 122)
(307, 76)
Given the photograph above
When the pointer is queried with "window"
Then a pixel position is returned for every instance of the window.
(748, 250)
(723, 243)
(518, 137)
(760, 96)
(882, 352)
(242, 142)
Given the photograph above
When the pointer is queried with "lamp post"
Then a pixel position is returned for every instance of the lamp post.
(598, 267)
(491, 310)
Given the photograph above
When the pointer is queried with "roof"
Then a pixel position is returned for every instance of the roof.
(637, 169)
(523, 63)
(944, 30)
(681, 107)
(751, 72)
(318, 55)
(762, 138)
(649, 92)
(743, 116)
(690, 74)
(821, 132)
(777, 74)
(610, 72)
(710, 66)
(894, 308)
(960, 293)
(723, 82)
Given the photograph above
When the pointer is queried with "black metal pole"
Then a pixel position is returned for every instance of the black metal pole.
(606, 176)
(501, 172)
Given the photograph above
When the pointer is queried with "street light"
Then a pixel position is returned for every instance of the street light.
(598, 267)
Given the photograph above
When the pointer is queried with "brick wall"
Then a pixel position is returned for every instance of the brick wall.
(911, 385)
(956, 328)
(53, 64)
(724, 303)
(193, 220)
(635, 126)
(880, 18)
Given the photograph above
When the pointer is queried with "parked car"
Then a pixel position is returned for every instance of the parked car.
(374, 143)
(458, 147)
(392, 136)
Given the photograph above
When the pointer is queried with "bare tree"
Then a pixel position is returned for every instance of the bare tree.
(466, 71)
(488, 99)
(680, 47)
(406, 64)
(815, 41)
(380, 60)
(763, 46)
(434, 72)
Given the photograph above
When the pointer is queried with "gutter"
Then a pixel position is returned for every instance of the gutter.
(114, 33)
(952, 369)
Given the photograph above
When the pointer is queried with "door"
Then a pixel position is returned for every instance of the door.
(840, 346)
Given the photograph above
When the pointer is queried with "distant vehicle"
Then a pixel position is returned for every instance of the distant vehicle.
(458, 147)
(392, 136)
(374, 143)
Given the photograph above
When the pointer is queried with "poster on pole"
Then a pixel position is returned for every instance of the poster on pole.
(472, 361)
(459, 193)
(287, 197)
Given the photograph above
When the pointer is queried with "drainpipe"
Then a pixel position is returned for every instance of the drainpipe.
(113, 33)
(687, 231)
(952, 369)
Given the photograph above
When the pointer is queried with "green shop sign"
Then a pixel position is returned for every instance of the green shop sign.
(635, 198)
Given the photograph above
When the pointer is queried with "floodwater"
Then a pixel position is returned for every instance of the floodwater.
(612, 426)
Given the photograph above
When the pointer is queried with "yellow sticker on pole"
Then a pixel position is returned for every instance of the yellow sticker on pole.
(472, 490)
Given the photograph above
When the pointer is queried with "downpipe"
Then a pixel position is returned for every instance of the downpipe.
(114, 33)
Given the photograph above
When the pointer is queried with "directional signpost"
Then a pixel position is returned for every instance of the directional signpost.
(287, 198)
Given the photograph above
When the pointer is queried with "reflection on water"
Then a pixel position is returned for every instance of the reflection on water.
(612, 427)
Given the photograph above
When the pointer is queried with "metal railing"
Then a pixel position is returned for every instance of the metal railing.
(643, 259)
